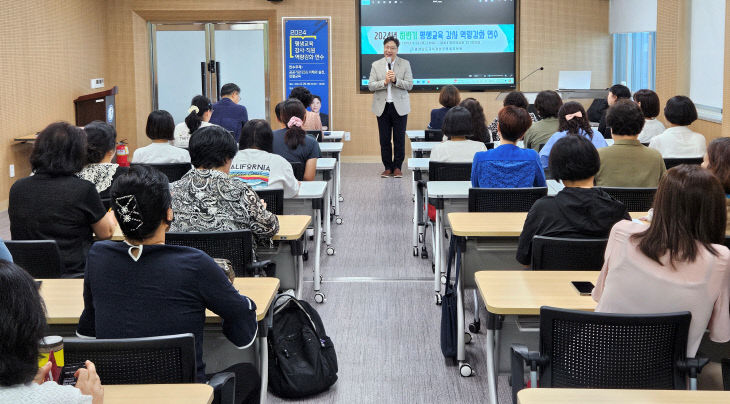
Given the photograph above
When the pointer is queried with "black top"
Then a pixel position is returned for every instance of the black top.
(573, 213)
(300, 154)
(165, 292)
(437, 117)
(325, 120)
(603, 128)
(63, 208)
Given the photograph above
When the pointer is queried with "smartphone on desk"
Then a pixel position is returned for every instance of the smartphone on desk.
(584, 288)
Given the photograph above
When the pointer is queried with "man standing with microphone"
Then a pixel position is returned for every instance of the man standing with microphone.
(390, 81)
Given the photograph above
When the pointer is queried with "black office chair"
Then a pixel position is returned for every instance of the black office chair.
(673, 162)
(490, 145)
(41, 258)
(167, 359)
(235, 246)
(504, 199)
(298, 169)
(316, 134)
(274, 199)
(635, 199)
(173, 171)
(725, 363)
(433, 135)
(567, 254)
(645, 144)
(607, 351)
(440, 171)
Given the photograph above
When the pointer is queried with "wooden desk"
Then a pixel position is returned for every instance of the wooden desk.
(605, 396)
(194, 393)
(26, 139)
(64, 298)
(494, 224)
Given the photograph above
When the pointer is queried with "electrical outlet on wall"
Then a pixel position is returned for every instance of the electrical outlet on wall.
(97, 83)
(347, 136)
(12, 170)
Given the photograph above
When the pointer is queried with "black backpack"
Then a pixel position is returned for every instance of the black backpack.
(302, 359)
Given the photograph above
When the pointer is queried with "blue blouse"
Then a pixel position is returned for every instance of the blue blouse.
(597, 141)
(507, 166)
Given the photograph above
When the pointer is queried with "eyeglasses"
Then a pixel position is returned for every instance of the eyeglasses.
(391, 47)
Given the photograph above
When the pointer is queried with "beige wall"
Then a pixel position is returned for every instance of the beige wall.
(51, 49)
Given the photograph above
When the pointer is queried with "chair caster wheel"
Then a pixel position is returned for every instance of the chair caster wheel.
(305, 256)
(330, 251)
(338, 220)
(319, 297)
(415, 251)
(420, 237)
(424, 253)
(443, 279)
(467, 338)
(438, 299)
(475, 326)
(340, 198)
(465, 370)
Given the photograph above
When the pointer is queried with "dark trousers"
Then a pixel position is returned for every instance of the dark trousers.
(392, 124)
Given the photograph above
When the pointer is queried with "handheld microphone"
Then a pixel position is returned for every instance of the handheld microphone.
(388, 60)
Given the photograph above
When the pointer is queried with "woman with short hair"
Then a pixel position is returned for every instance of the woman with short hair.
(679, 141)
(101, 141)
(514, 98)
(449, 97)
(143, 287)
(547, 104)
(160, 129)
(572, 120)
(648, 101)
(677, 262)
(54, 204)
(458, 148)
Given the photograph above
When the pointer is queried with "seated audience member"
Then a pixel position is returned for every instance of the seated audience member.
(479, 131)
(22, 327)
(517, 99)
(457, 149)
(717, 160)
(255, 163)
(207, 199)
(227, 113)
(628, 163)
(679, 140)
(160, 129)
(54, 204)
(311, 120)
(615, 93)
(316, 107)
(277, 111)
(548, 104)
(648, 101)
(4, 252)
(292, 142)
(448, 98)
(199, 115)
(145, 288)
(571, 121)
(101, 142)
(678, 262)
(508, 166)
(578, 210)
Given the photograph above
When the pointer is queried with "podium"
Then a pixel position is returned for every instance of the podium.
(96, 107)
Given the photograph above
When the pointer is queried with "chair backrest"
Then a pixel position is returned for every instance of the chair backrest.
(433, 135)
(153, 360)
(635, 199)
(567, 254)
(41, 258)
(490, 145)
(274, 199)
(608, 350)
(298, 169)
(316, 134)
(235, 246)
(173, 171)
(440, 171)
(504, 199)
(673, 162)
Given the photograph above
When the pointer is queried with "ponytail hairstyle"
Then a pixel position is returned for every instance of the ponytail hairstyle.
(572, 118)
(292, 114)
(198, 106)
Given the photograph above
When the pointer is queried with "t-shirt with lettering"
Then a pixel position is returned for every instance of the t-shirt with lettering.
(261, 169)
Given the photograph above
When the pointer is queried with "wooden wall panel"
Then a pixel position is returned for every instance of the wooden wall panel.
(51, 49)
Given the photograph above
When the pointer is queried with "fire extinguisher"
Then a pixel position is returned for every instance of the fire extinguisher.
(123, 153)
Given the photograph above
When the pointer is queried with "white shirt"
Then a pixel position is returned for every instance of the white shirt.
(679, 141)
(182, 133)
(160, 153)
(652, 128)
(460, 151)
(48, 392)
(260, 170)
(389, 97)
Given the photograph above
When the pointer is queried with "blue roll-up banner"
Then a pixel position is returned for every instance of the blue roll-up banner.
(306, 58)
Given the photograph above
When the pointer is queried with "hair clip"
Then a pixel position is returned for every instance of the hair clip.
(193, 108)
(128, 211)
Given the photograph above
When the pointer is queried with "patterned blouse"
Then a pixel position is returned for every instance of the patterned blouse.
(99, 174)
(208, 200)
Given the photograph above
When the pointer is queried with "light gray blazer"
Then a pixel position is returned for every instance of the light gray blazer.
(399, 90)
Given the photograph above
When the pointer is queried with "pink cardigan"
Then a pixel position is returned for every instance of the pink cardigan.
(632, 283)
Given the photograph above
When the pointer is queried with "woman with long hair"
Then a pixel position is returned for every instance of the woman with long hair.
(479, 131)
(292, 142)
(199, 114)
(717, 160)
(572, 120)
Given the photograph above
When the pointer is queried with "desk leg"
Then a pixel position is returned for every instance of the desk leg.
(300, 275)
(328, 217)
(415, 216)
(437, 253)
(338, 194)
(496, 355)
(318, 297)
(491, 377)
(460, 343)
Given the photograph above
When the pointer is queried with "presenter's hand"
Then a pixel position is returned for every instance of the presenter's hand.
(390, 76)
